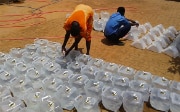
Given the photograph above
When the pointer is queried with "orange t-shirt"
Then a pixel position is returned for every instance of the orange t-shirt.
(84, 15)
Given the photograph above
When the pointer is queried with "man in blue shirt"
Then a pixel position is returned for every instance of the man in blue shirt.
(118, 26)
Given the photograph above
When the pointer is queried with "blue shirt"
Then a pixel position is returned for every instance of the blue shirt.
(114, 23)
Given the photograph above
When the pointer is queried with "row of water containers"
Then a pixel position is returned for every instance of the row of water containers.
(157, 39)
(38, 78)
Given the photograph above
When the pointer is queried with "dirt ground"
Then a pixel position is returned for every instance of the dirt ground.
(21, 23)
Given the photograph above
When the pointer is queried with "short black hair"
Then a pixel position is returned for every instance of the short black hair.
(75, 28)
(121, 10)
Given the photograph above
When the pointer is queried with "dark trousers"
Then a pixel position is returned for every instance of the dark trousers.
(121, 32)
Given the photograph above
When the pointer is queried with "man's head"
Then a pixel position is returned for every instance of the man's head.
(75, 28)
(121, 10)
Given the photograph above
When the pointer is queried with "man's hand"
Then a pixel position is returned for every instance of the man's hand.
(63, 50)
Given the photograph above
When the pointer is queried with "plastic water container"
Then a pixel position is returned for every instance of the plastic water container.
(6, 77)
(83, 58)
(133, 101)
(12, 105)
(86, 104)
(104, 15)
(39, 62)
(147, 40)
(175, 102)
(96, 16)
(104, 77)
(41, 42)
(161, 28)
(167, 40)
(43, 50)
(20, 69)
(3, 58)
(142, 29)
(162, 42)
(133, 34)
(127, 72)
(112, 98)
(20, 86)
(160, 82)
(141, 87)
(156, 31)
(64, 75)
(120, 82)
(34, 75)
(50, 67)
(54, 45)
(38, 86)
(140, 43)
(5, 93)
(33, 98)
(175, 87)
(152, 36)
(171, 51)
(63, 61)
(160, 99)
(148, 26)
(28, 57)
(169, 34)
(75, 67)
(52, 84)
(93, 88)
(31, 47)
(96, 62)
(9, 64)
(73, 54)
(144, 76)
(155, 47)
(16, 52)
(66, 96)
(78, 81)
(172, 29)
(111, 67)
(89, 71)
(50, 104)
(98, 24)
(52, 55)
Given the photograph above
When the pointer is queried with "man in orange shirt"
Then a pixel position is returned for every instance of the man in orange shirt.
(78, 25)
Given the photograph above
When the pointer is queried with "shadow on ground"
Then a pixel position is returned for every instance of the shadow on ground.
(175, 68)
(106, 42)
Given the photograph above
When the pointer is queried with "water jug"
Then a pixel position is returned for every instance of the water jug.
(127, 72)
(89, 71)
(64, 75)
(175, 102)
(93, 88)
(145, 76)
(112, 98)
(141, 87)
(104, 77)
(86, 104)
(120, 82)
(78, 81)
(133, 101)
(160, 99)
(67, 95)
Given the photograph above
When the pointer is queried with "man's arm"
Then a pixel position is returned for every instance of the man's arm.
(132, 22)
(67, 35)
(77, 40)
